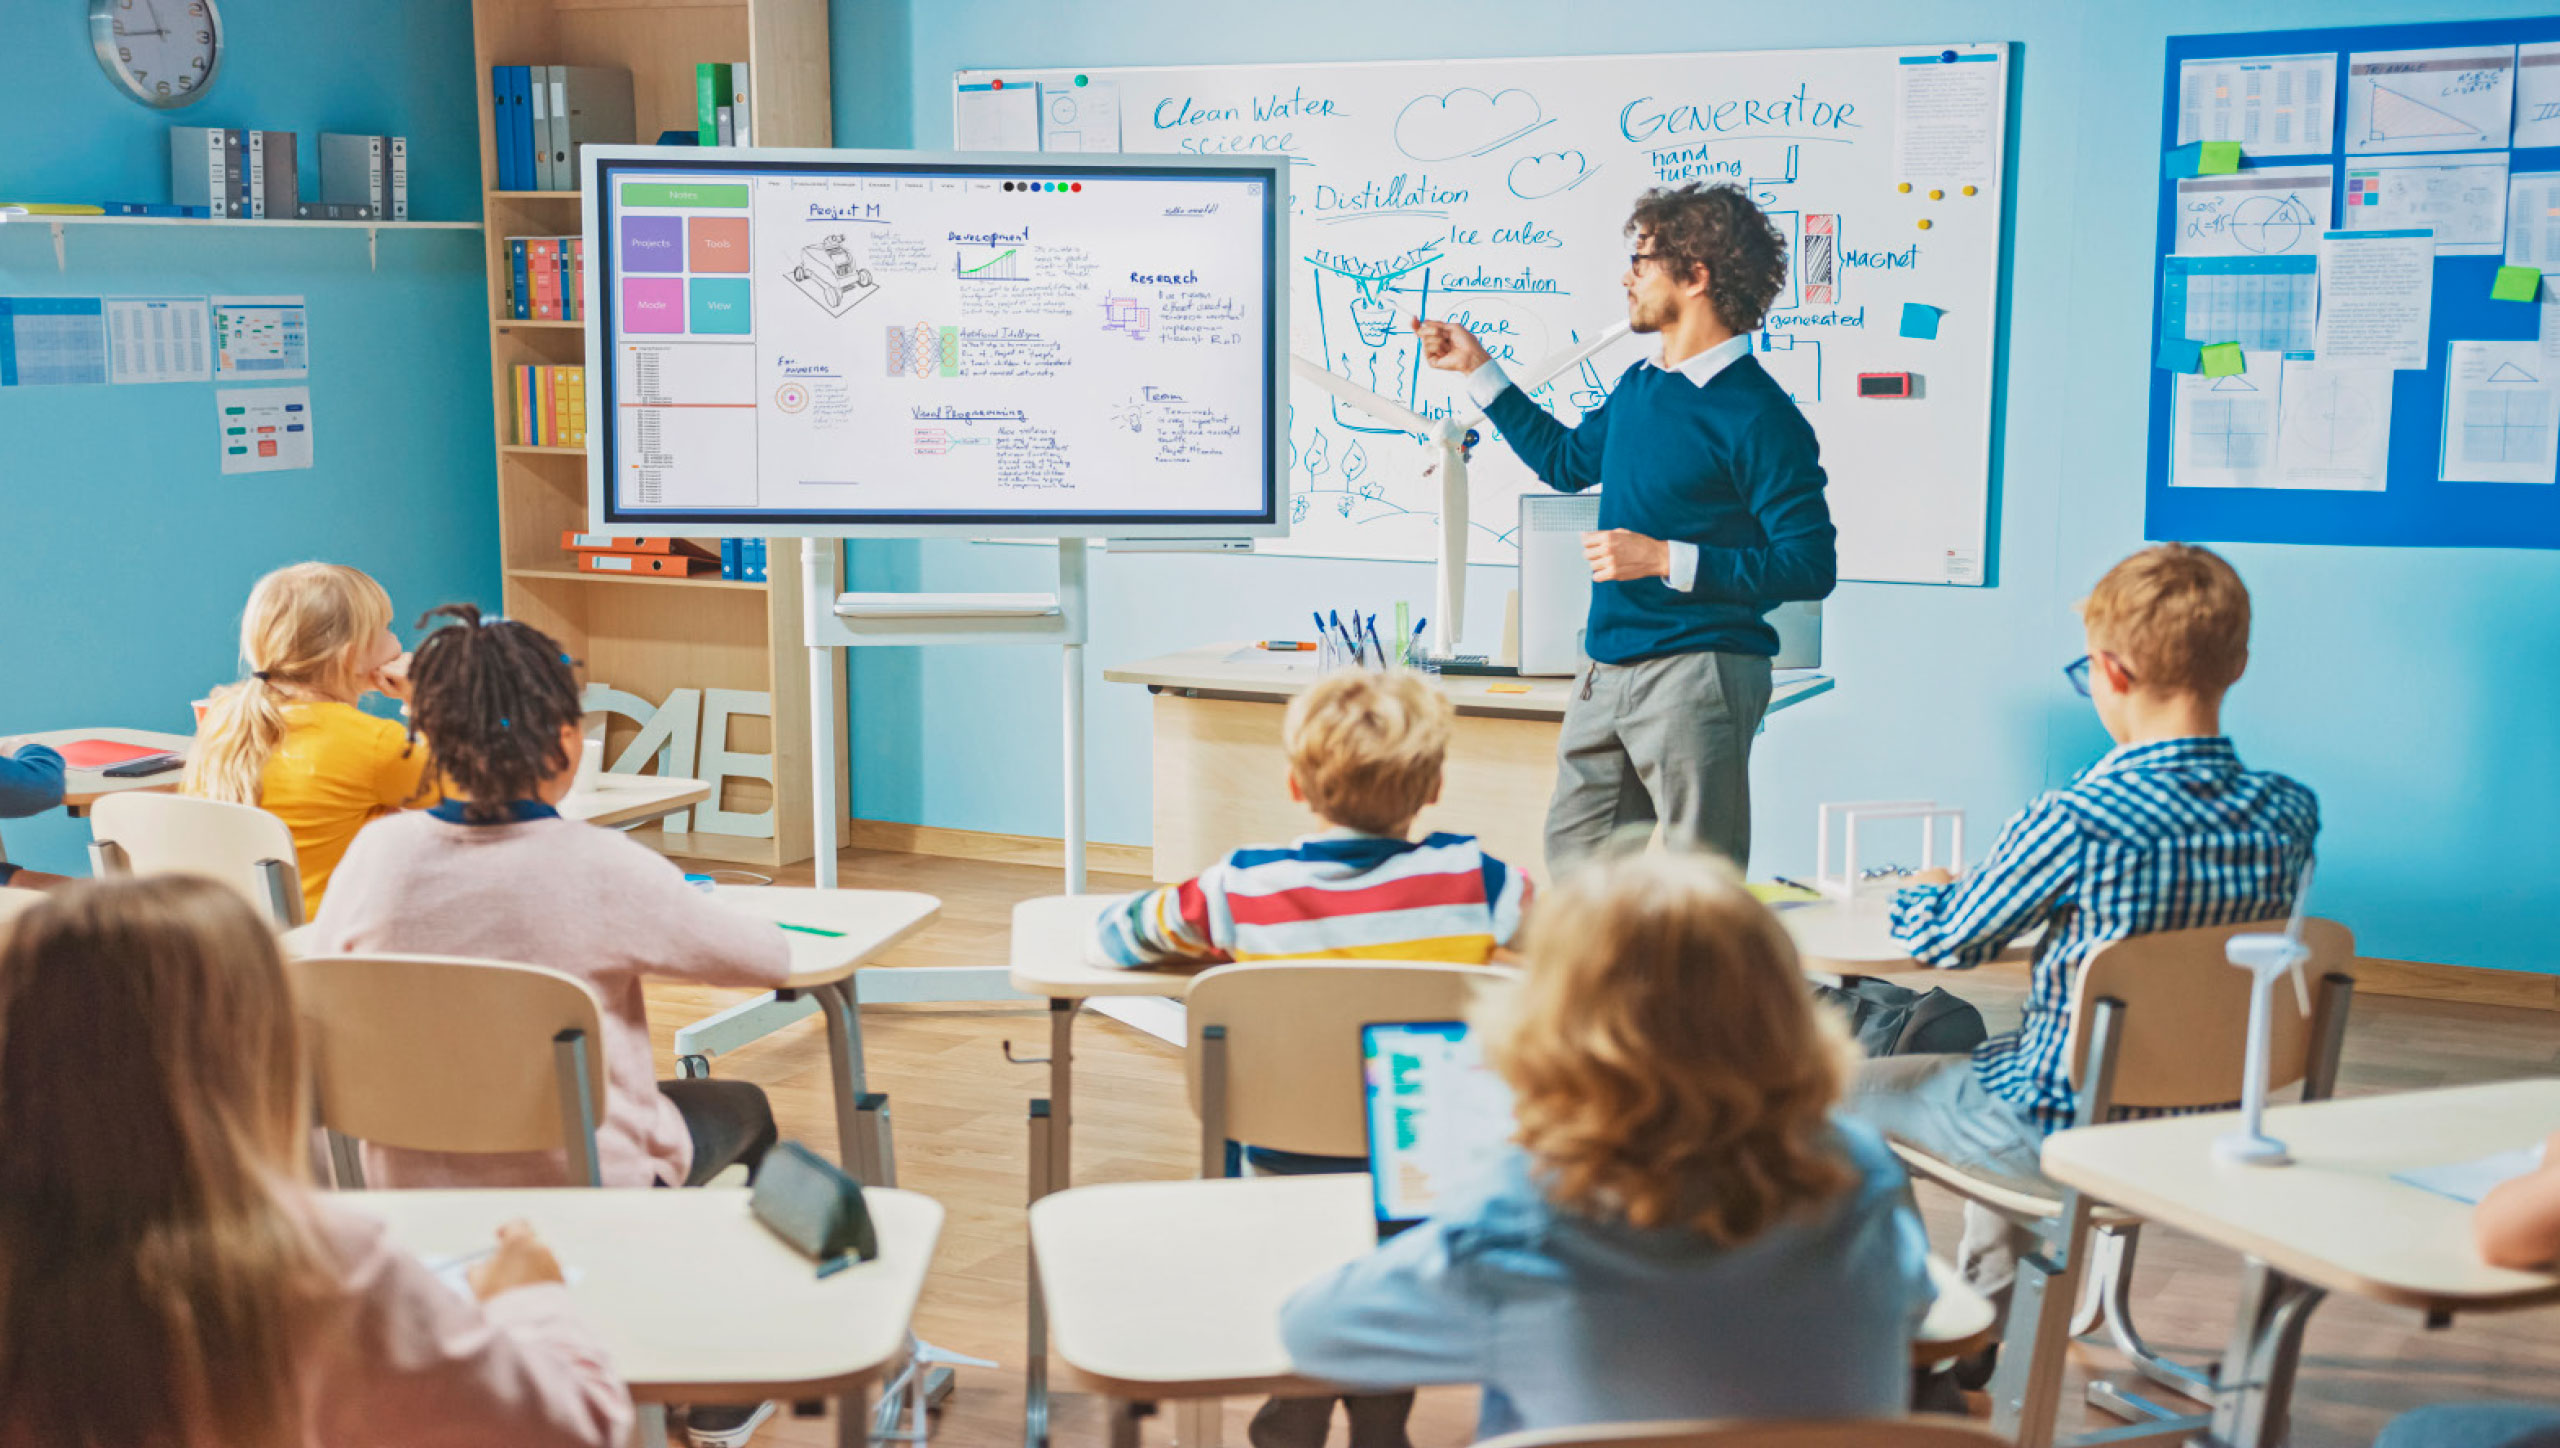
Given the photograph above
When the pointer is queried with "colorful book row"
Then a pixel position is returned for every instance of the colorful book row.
(546, 278)
(551, 406)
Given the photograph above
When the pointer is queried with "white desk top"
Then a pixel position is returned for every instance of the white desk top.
(695, 1298)
(867, 922)
(1174, 1289)
(2334, 1218)
(1049, 936)
(1238, 670)
(82, 787)
(626, 799)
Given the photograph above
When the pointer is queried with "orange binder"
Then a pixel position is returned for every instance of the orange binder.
(577, 542)
(668, 565)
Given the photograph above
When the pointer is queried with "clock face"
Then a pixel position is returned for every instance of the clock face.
(162, 53)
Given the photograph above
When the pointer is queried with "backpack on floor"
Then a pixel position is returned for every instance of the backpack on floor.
(1893, 1020)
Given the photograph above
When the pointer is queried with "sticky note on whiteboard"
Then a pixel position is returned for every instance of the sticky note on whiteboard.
(1919, 320)
(2177, 354)
(2223, 359)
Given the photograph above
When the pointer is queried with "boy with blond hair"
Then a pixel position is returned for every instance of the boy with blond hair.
(1365, 751)
(2165, 832)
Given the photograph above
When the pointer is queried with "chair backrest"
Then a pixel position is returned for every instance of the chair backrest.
(1292, 1045)
(432, 1053)
(1927, 1430)
(240, 845)
(2186, 1020)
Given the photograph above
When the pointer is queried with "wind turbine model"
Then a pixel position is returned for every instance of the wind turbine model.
(2266, 956)
(1449, 435)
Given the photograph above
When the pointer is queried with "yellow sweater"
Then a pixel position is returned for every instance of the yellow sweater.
(337, 768)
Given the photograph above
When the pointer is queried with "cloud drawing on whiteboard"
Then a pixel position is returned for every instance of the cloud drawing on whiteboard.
(1465, 122)
(1548, 173)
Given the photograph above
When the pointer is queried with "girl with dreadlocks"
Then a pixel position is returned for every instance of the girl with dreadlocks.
(495, 872)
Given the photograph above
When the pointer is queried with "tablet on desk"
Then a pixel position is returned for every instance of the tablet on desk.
(1438, 1116)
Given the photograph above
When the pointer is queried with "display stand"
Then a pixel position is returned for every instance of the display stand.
(911, 620)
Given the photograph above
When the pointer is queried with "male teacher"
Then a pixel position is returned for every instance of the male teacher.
(1711, 514)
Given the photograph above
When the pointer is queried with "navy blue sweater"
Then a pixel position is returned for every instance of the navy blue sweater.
(30, 781)
(1731, 466)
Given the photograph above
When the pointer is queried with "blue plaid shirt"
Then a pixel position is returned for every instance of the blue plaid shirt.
(2170, 835)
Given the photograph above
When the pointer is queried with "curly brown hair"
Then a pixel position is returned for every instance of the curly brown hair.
(1721, 229)
(491, 696)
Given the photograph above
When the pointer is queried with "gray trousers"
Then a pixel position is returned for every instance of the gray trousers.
(1664, 741)
(1939, 1104)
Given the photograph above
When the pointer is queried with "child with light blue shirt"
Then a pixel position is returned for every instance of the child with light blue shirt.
(1682, 1228)
(30, 783)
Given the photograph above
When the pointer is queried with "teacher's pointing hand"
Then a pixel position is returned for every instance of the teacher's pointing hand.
(1450, 347)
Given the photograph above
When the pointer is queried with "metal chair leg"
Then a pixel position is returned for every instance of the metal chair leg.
(1213, 1102)
(577, 1108)
(346, 1164)
(1035, 1362)
(2117, 1303)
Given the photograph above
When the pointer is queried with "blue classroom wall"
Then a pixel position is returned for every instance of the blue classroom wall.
(128, 553)
(2411, 687)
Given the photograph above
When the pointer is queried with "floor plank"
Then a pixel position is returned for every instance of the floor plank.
(959, 1113)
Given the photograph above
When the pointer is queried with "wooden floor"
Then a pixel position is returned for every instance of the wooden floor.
(958, 1109)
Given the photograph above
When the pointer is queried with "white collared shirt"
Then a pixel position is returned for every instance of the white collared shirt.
(1486, 383)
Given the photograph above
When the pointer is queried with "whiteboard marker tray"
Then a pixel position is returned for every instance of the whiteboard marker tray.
(946, 605)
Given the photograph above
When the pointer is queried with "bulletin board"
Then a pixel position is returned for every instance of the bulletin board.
(2412, 508)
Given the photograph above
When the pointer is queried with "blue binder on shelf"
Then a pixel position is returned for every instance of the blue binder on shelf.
(516, 155)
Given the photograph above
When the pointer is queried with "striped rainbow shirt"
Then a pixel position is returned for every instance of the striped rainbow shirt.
(1338, 895)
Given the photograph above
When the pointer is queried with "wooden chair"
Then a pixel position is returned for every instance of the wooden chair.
(2159, 1022)
(431, 1053)
(240, 845)
(1275, 1048)
(1924, 1431)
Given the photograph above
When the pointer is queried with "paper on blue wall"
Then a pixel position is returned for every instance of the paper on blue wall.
(263, 429)
(2533, 220)
(159, 339)
(2538, 94)
(2273, 105)
(2334, 426)
(987, 118)
(2225, 432)
(2461, 198)
(261, 339)
(2269, 211)
(2501, 413)
(52, 341)
(2378, 289)
(2264, 303)
(2429, 100)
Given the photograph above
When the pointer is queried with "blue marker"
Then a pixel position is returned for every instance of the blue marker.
(1373, 641)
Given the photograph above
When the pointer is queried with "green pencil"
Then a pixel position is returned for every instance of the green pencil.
(811, 930)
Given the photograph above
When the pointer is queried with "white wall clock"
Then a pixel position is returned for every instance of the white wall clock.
(162, 53)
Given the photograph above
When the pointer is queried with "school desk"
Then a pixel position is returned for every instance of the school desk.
(697, 1301)
(1048, 959)
(1172, 1290)
(2333, 1221)
(82, 788)
(1220, 782)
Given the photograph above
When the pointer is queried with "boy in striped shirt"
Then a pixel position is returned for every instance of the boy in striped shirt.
(1365, 751)
(2165, 832)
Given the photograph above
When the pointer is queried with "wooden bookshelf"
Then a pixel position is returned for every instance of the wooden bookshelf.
(649, 635)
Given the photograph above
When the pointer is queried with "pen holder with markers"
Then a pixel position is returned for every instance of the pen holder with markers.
(1332, 653)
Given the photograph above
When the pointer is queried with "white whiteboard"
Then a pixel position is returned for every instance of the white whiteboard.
(845, 342)
(1493, 192)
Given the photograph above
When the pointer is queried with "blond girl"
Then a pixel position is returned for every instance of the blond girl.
(315, 638)
(169, 1278)
(1682, 1228)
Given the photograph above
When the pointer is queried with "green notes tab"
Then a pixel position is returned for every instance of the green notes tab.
(683, 193)
(2516, 284)
(2217, 158)
(2223, 359)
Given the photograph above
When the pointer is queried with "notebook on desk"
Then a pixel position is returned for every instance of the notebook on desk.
(102, 753)
(1438, 1116)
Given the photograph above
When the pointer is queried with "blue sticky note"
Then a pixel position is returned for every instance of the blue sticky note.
(2177, 354)
(1919, 320)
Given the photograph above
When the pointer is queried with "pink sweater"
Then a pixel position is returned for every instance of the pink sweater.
(569, 896)
(404, 1359)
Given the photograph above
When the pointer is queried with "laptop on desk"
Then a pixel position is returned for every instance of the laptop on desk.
(1438, 1116)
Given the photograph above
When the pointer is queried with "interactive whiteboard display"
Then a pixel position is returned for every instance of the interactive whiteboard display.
(1493, 192)
(830, 342)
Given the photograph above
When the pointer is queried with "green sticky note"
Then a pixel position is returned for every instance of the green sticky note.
(2517, 284)
(2218, 158)
(2223, 359)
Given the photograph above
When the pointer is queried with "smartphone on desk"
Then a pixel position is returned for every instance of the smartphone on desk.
(144, 767)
